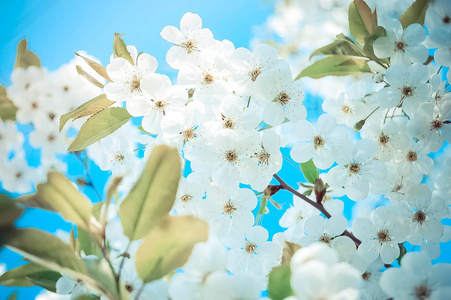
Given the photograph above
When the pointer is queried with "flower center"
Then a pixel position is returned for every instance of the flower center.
(422, 292)
(354, 168)
(411, 156)
(283, 98)
(407, 91)
(208, 79)
(436, 125)
(34, 105)
(399, 46)
(254, 73)
(228, 208)
(346, 109)
(188, 134)
(129, 288)
(51, 116)
(135, 84)
(250, 247)
(66, 88)
(325, 239)
(263, 157)
(19, 175)
(119, 157)
(383, 236)
(186, 198)
(446, 20)
(228, 123)
(318, 142)
(190, 46)
(383, 139)
(419, 217)
(51, 138)
(366, 276)
(231, 156)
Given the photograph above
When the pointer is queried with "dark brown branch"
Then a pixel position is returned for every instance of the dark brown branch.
(318, 206)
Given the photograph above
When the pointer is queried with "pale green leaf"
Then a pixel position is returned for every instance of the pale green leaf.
(19, 276)
(46, 279)
(362, 22)
(25, 57)
(64, 198)
(153, 194)
(7, 107)
(168, 246)
(86, 109)
(96, 67)
(369, 41)
(88, 77)
(338, 65)
(100, 271)
(13, 296)
(342, 46)
(415, 13)
(99, 126)
(120, 49)
(44, 249)
(289, 249)
(87, 244)
(311, 173)
(279, 286)
(9, 211)
(86, 297)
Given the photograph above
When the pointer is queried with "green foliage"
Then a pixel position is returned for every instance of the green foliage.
(9, 212)
(279, 286)
(369, 41)
(153, 194)
(44, 249)
(7, 107)
(87, 244)
(25, 57)
(168, 245)
(96, 67)
(64, 198)
(362, 22)
(20, 276)
(86, 109)
(120, 49)
(415, 13)
(87, 297)
(45, 279)
(342, 46)
(99, 126)
(13, 296)
(100, 271)
(88, 77)
(310, 171)
(337, 65)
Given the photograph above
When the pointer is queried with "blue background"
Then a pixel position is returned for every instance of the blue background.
(57, 29)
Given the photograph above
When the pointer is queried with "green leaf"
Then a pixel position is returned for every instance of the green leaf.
(99, 126)
(86, 109)
(25, 57)
(9, 212)
(342, 46)
(96, 67)
(369, 41)
(45, 279)
(87, 244)
(311, 173)
(279, 286)
(362, 22)
(44, 249)
(88, 77)
(289, 249)
(13, 296)
(100, 271)
(168, 246)
(140, 128)
(60, 193)
(87, 297)
(153, 194)
(338, 65)
(120, 49)
(7, 107)
(20, 276)
(415, 13)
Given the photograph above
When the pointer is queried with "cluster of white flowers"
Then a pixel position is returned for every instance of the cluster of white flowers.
(41, 97)
(220, 117)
